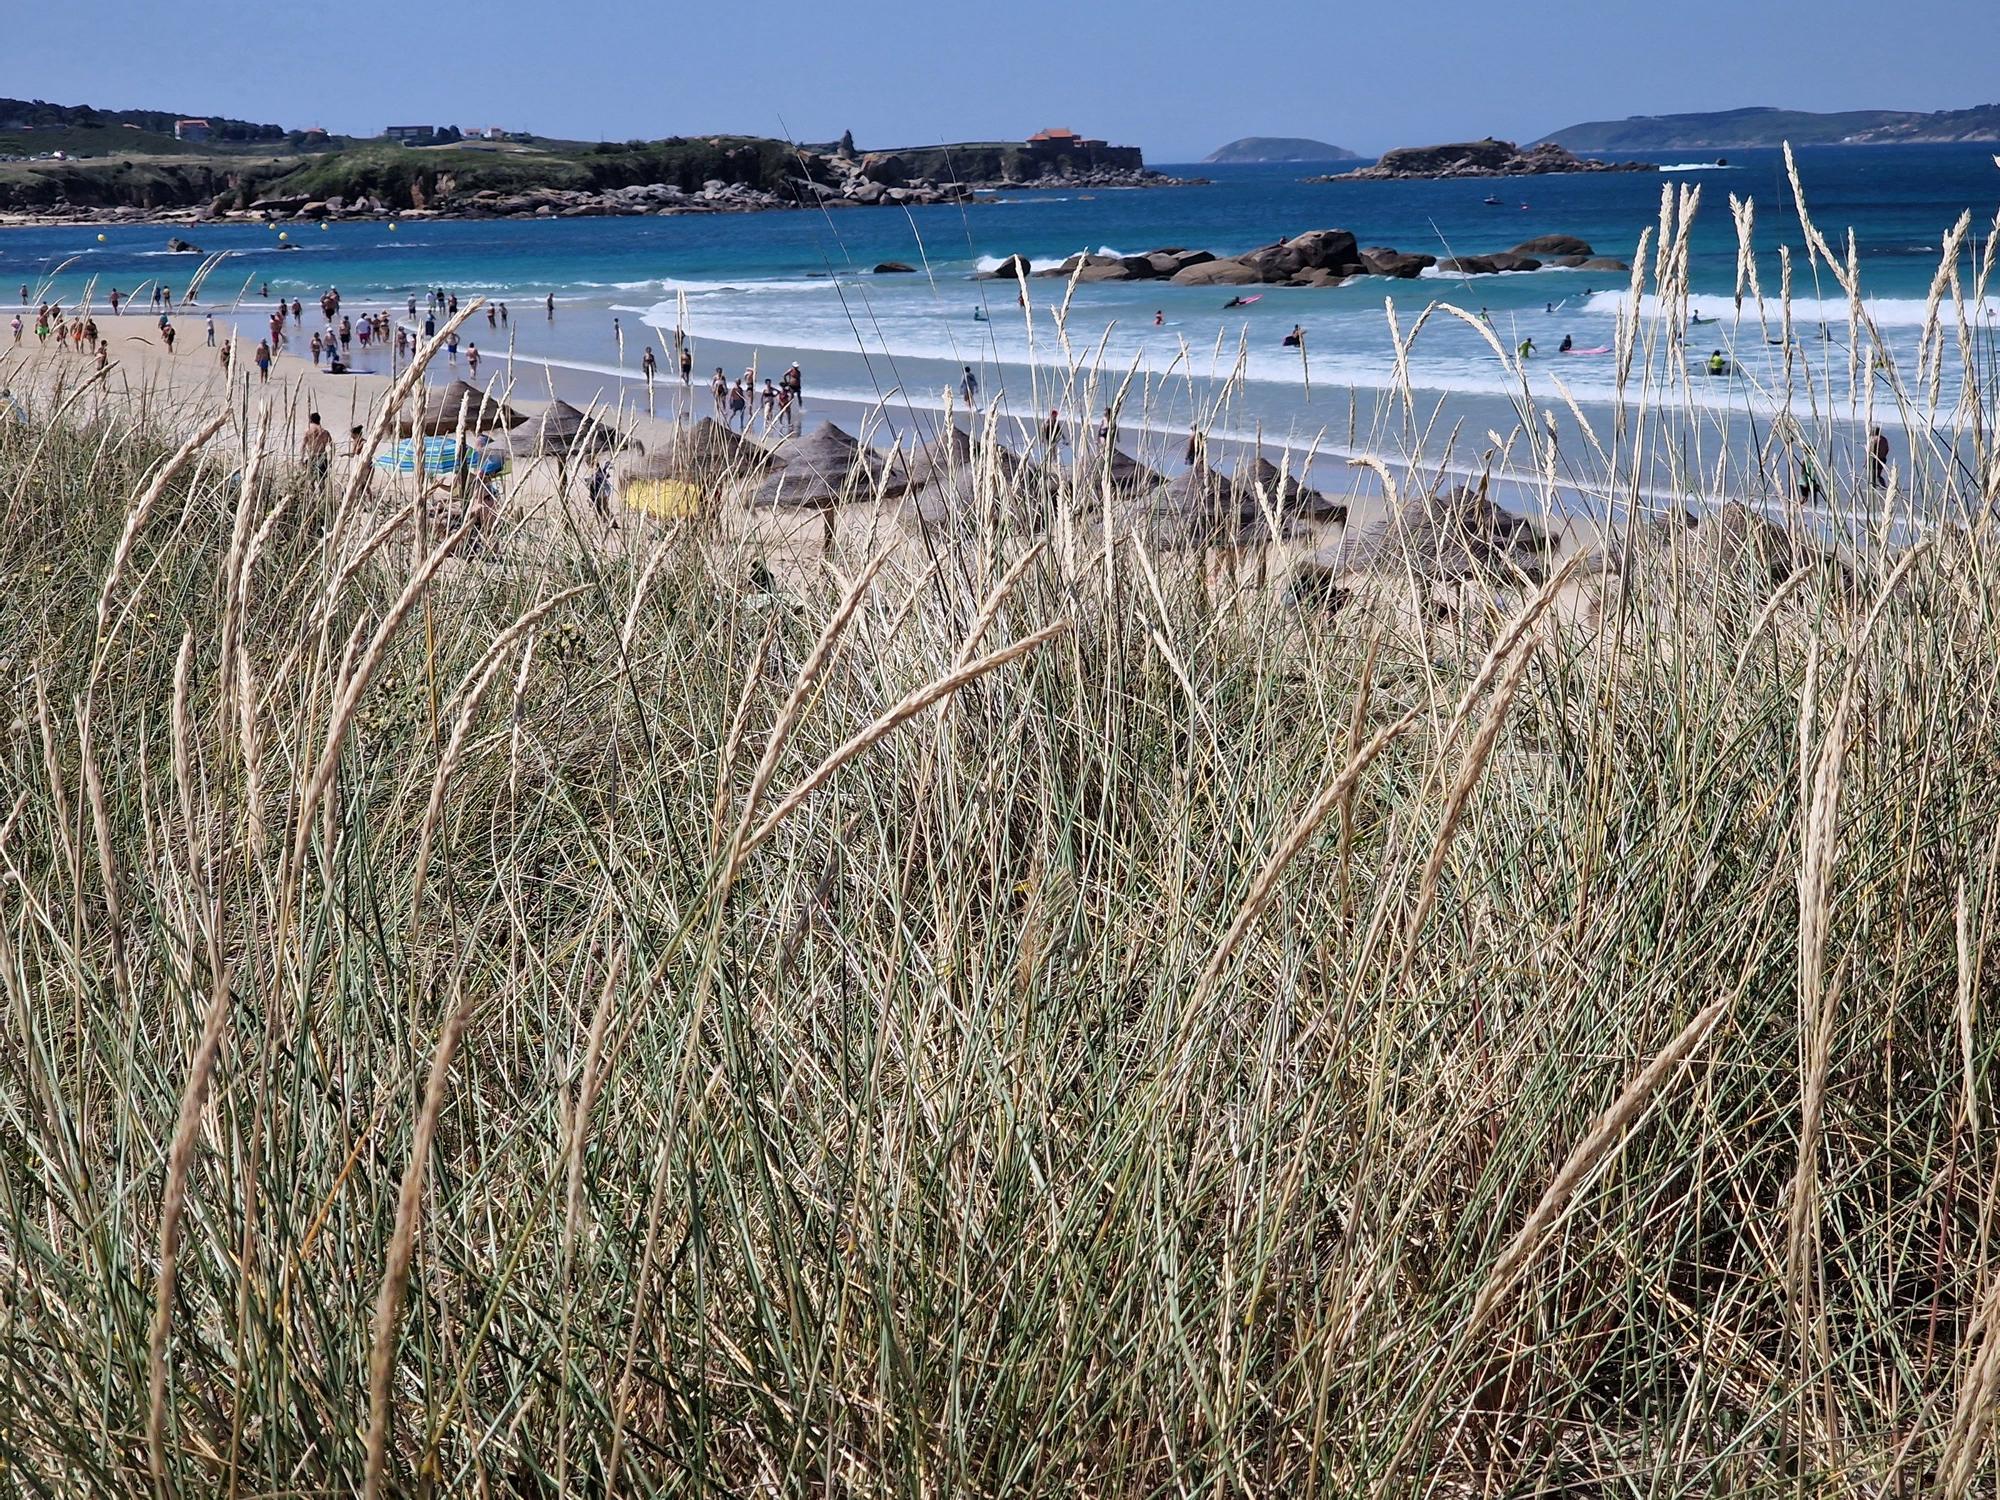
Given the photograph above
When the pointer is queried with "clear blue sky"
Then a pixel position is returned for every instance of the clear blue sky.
(1175, 78)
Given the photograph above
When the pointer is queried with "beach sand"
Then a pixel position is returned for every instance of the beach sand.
(541, 517)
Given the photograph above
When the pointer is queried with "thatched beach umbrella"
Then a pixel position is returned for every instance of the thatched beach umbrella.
(1198, 508)
(825, 468)
(955, 481)
(1123, 473)
(678, 479)
(1438, 544)
(1265, 484)
(563, 432)
(459, 406)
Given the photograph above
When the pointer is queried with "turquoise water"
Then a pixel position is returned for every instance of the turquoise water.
(776, 287)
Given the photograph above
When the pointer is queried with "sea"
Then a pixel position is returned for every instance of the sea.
(890, 352)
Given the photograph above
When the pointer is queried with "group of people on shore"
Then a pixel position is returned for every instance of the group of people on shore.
(738, 401)
(75, 334)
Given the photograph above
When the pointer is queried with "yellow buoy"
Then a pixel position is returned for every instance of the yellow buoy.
(282, 235)
(323, 228)
(100, 239)
(392, 229)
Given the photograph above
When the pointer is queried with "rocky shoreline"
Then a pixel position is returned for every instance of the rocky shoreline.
(1317, 258)
(1487, 158)
(861, 182)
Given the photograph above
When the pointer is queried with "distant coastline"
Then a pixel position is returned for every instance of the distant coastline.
(1763, 126)
(79, 167)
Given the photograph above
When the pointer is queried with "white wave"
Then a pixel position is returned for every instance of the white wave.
(1887, 312)
(670, 285)
(1698, 166)
(1042, 262)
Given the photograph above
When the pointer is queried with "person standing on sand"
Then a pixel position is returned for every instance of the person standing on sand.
(117, 297)
(968, 387)
(103, 356)
(618, 336)
(316, 447)
(739, 407)
(795, 382)
(211, 330)
(1878, 458)
(354, 443)
(451, 350)
(719, 388)
(492, 315)
(503, 313)
(167, 333)
(647, 365)
(788, 412)
(263, 362)
(472, 360)
(769, 396)
(24, 294)
(18, 326)
(687, 365)
(552, 306)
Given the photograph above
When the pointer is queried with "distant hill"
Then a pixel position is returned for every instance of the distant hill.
(1763, 126)
(1255, 148)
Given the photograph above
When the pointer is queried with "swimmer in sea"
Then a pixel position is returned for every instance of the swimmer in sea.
(1232, 302)
(1159, 317)
(979, 315)
(1566, 345)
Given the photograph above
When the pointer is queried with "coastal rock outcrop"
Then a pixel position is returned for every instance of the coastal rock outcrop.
(1385, 261)
(1487, 158)
(1223, 272)
(894, 268)
(1316, 258)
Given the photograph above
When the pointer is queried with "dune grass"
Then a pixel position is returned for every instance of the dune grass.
(1029, 1026)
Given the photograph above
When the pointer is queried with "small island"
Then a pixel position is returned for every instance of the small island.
(1252, 149)
(1487, 158)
